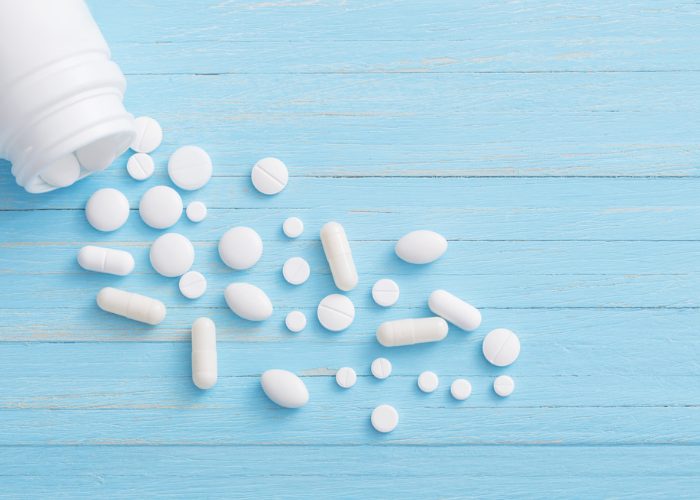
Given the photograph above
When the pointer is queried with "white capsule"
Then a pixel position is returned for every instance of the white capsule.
(284, 388)
(339, 256)
(105, 260)
(131, 305)
(455, 310)
(204, 362)
(411, 331)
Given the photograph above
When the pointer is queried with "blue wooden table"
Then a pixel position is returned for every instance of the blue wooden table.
(556, 146)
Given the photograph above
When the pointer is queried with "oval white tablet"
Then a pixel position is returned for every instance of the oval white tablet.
(461, 389)
(284, 388)
(63, 172)
(192, 284)
(240, 248)
(196, 211)
(296, 271)
(345, 377)
(107, 209)
(421, 247)
(248, 301)
(455, 310)
(172, 255)
(428, 381)
(190, 167)
(131, 305)
(385, 292)
(160, 207)
(385, 418)
(501, 347)
(140, 166)
(105, 260)
(293, 227)
(336, 312)
(149, 135)
(504, 386)
(204, 358)
(381, 368)
(295, 321)
(269, 175)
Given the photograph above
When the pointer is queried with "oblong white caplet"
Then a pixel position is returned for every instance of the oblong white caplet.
(411, 331)
(455, 310)
(284, 388)
(421, 247)
(131, 305)
(204, 361)
(339, 256)
(105, 260)
(248, 301)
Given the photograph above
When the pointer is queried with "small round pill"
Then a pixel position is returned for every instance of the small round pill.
(461, 389)
(149, 135)
(172, 255)
(296, 271)
(293, 227)
(140, 166)
(385, 418)
(196, 211)
(295, 321)
(107, 209)
(63, 172)
(269, 175)
(428, 381)
(346, 377)
(503, 386)
(240, 248)
(501, 347)
(335, 312)
(190, 168)
(193, 284)
(381, 368)
(160, 207)
(385, 292)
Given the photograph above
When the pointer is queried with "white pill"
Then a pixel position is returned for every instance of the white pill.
(385, 418)
(455, 310)
(196, 211)
(501, 347)
(248, 301)
(160, 207)
(428, 381)
(381, 368)
(421, 247)
(504, 386)
(105, 260)
(385, 292)
(63, 172)
(461, 389)
(336, 312)
(131, 305)
(284, 388)
(411, 331)
(204, 359)
(240, 248)
(190, 167)
(140, 166)
(269, 175)
(107, 209)
(100, 154)
(296, 271)
(339, 256)
(295, 321)
(192, 284)
(293, 227)
(345, 377)
(172, 255)
(149, 135)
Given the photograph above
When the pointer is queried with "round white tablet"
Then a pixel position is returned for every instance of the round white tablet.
(107, 209)
(172, 255)
(381, 368)
(160, 207)
(428, 381)
(501, 347)
(461, 389)
(385, 292)
(190, 167)
(100, 154)
(385, 418)
(296, 271)
(269, 175)
(346, 377)
(295, 321)
(149, 135)
(504, 386)
(293, 227)
(140, 166)
(240, 248)
(196, 211)
(336, 312)
(63, 172)
(193, 284)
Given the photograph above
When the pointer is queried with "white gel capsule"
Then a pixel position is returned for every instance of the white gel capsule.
(411, 331)
(204, 362)
(455, 310)
(284, 388)
(248, 301)
(131, 305)
(339, 256)
(105, 260)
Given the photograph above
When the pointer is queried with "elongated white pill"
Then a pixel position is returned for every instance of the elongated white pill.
(339, 256)
(105, 260)
(455, 310)
(421, 247)
(204, 360)
(411, 331)
(131, 305)
(284, 388)
(248, 301)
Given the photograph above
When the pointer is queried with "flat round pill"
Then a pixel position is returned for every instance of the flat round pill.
(293, 227)
(160, 207)
(385, 292)
(501, 347)
(336, 312)
(193, 284)
(63, 172)
(381, 368)
(240, 248)
(149, 135)
(345, 377)
(100, 154)
(296, 271)
(269, 175)
(461, 389)
(428, 381)
(385, 418)
(172, 255)
(196, 211)
(295, 321)
(503, 386)
(107, 209)
(190, 167)
(140, 166)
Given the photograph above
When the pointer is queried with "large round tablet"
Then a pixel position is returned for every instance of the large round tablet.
(381, 368)
(296, 271)
(504, 386)
(63, 172)
(345, 377)
(293, 227)
(100, 154)
(428, 381)
(172, 255)
(190, 167)
(196, 211)
(240, 248)
(160, 207)
(192, 284)
(385, 418)
(149, 135)
(501, 347)
(385, 292)
(269, 175)
(336, 312)
(461, 389)
(107, 209)
(295, 321)
(140, 166)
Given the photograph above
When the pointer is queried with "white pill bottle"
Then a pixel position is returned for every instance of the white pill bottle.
(61, 96)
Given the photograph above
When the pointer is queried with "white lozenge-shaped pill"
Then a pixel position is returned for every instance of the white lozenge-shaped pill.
(196, 211)
(192, 284)
(63, 172)
(140, 166)
(385, 292)
(149, 135)
(501, 347)
(295, 321)
(269, 175)
(248, 301)
(293, 227)
(296, 271)
(240, 248)
(385, 418)
(455, 310)
(335, 312)
(461, 389)
(204, 359)
(345, 377)
(172, 255)
(504, 386)
(131, 305)
(160, 207)
(190, 168)
(421, 247)
(284, 388)
(381, 368)
(339, 256)
(105, 260)
(428, 381)
(107, 209)
(411, 331)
